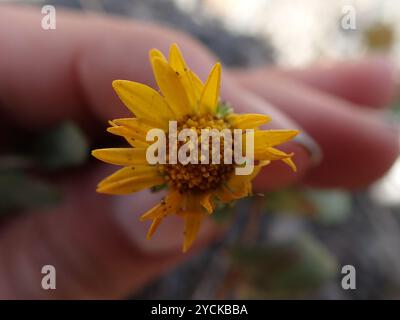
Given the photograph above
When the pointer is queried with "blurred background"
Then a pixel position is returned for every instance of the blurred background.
(293, 242)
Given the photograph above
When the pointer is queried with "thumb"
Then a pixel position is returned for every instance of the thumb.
(96, 244)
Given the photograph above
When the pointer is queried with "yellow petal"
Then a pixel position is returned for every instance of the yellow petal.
(198, 85)
(131, 184)
(205, 201)
(170, 205)
(144, 102)
(270, 138)
(238, 181)
(153, 227)
(127, 132)
(192, 227)
(247, 121)
(155, 53)
(134, 130)
(178, 64)
(176, 59)
(275, 154)
(224, 194)
(171, 88)
(241, 192)
(129, 172)
(159, 211)
(290, 163)
(270, 154)
(121, 156)
(136, 143)
(130, 127)
(135, 140)
(133, 123)
(239, 186)
(210, 95)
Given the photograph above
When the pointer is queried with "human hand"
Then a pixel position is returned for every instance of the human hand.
(96, 242)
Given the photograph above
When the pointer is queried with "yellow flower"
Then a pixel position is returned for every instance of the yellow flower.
(193, 189)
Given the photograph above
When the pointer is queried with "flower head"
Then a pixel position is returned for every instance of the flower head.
(193, 188)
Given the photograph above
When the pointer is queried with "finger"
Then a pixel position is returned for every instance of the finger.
(370, 82)
(96, 244)
(83, 234)
(51, 75)
(80, 64)
(358, 146)
(276, 174)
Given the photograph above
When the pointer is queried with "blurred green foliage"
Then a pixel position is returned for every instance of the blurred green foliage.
(289, 269)
(224, 211)
(332, 206)
(329, 206)
(64, 146)
(18, 191)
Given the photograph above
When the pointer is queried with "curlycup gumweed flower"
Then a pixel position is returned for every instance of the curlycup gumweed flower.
(184, 102)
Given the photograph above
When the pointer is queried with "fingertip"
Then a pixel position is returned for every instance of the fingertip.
(370, 82)
(359, 161)
(357, 145)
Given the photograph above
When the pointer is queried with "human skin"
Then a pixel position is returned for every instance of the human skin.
(96, 242)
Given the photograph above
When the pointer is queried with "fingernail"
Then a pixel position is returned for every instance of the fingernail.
(311, 146)
(279, 120)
